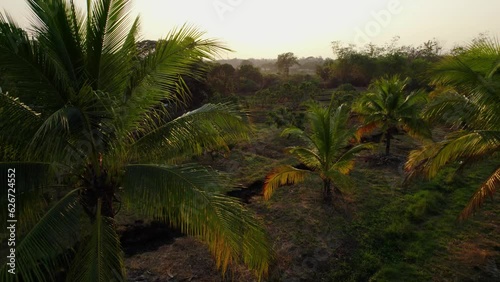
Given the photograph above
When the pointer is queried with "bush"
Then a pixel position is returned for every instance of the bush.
(369, 264)
(397, 230)
(282, 117)
(247, 85)
(345, 94)
(346, 87)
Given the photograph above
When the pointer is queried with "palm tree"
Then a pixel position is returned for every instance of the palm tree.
(388, 107)
(329, 153)
(89, 117)
(468, 97)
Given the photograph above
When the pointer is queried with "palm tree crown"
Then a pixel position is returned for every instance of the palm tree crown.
(468, 98)
(388, 107)
(328, 152)
(87, 109)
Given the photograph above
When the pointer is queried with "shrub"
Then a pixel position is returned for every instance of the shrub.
(282, 117)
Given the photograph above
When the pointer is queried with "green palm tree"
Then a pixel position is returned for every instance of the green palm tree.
(389, 108)
(328, 153)
(88, 117)
(468, 98)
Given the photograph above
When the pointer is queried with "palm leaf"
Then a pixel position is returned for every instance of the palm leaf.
(208, 127)
(19, 55)
(158, 78)
(187, 196)
(114, 66)
(296, 132)
(283, 175)
(46, 247)
(486, 190)
(462, 145)
(19, 121)
(366, 129)
(55, 29)
(30, 182)
(100, 258)
(306, 156)
(345, 163)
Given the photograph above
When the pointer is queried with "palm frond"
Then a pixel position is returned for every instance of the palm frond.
(416, 127)
(487, 189)
(464, 145)
(460, 145)
(339, 178)
(345, 163)
(366, 129)
(59, 36)
(449, 107)
(18, 56)
(18, 122)
(295, 131)
(419, 97)
(473, 73)
(187, 197)
(208, 127)
(47, 246)
(307, 156)
(283, 175)
(100, 258)
(28, 181)
(158, 79)
(115, 65)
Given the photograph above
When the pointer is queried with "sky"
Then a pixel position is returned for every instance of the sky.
(266, 28)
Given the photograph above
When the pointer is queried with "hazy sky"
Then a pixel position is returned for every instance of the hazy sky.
(265, 28)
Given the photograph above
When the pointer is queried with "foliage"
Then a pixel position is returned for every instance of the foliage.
(225, 80)
(92, 113)
(345, 94)
(285, 117)
(249, 78)
(270, 80)
(388, 107)
(221, 78)
(360, 66)
(467, 97)
(328, 153)
(289, 94)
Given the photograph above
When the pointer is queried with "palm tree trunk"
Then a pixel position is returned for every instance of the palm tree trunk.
(107, 205)
(388, 138)
(327, 190)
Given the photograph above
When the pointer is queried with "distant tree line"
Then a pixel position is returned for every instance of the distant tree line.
(361, 66)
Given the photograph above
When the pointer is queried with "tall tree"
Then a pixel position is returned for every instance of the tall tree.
(87, 108)
(328, 154)
(388, 107)
(467, 97)
(285, 61)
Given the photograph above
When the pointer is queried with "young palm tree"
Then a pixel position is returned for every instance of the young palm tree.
(88, 109)
(468, 96)
(388, 107)
(328, 153)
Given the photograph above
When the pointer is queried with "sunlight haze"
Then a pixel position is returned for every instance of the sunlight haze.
(263, 29)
